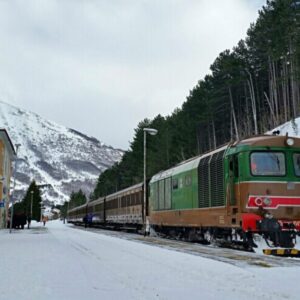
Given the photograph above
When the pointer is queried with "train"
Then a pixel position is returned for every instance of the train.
(230, 195)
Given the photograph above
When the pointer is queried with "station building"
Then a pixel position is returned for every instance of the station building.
(7, 153)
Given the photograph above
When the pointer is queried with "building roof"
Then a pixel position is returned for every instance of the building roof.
(4, 135)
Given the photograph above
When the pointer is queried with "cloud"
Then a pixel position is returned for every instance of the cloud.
(102, 66)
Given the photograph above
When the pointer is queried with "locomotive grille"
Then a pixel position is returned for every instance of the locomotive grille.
(211, 180)
(203, 180)
(216, 179)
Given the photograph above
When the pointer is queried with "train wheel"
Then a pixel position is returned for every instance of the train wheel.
(192, 236)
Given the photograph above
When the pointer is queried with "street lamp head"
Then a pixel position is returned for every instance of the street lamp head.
(151, 131)
(31, 192)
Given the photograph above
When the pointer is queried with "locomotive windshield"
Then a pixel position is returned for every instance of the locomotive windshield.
(296, 158)
(268, 163)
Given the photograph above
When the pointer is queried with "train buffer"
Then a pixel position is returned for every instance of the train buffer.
(283, 252)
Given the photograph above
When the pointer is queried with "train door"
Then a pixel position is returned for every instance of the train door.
(232, 187)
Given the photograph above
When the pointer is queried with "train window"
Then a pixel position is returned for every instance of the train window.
(139, 197)
(168, 193)
(267, 163)
(161, 187)
(188, 180)
(175, 184)
(180, 183)
(231, 165)
(296, 159)
(156, 207)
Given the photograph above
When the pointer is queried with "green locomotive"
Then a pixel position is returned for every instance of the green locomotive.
(250, 186)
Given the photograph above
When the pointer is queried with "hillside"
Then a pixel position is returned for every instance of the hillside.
(53, 154)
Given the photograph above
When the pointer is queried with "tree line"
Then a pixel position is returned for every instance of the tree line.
(250, 89)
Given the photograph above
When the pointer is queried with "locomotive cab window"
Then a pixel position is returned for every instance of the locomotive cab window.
(267, 163)
(296, 160)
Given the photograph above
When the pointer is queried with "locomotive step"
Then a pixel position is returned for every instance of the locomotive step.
(282, 252)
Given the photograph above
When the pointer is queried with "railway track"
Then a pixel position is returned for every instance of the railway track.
(235, 257)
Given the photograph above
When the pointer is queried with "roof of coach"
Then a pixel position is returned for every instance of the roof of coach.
(124, 191)
(267, 141)
(77, 207)
(96, 201)
(185, 166)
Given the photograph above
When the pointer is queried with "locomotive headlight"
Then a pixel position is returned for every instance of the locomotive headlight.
(290, 141)
(267, 201)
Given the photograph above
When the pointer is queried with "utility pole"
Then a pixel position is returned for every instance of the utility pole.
(152, 132)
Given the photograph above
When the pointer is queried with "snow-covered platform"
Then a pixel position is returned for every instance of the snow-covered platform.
(61, 262)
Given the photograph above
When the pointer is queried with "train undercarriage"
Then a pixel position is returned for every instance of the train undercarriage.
(271, 239)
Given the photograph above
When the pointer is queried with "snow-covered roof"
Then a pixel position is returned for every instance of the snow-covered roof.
(184, 166)
(124, 191)
(77, 207)
(97, 201)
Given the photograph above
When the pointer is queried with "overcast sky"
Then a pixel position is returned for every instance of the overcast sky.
(100, 67)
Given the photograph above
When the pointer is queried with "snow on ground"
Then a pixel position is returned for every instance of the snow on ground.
(62, 262)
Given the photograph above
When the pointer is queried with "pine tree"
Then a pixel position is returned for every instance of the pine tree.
(32, 202)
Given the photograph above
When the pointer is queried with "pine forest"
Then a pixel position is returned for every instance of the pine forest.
(249, 90)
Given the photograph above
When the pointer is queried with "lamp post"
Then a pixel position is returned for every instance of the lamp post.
(13, 191)
(152, 132)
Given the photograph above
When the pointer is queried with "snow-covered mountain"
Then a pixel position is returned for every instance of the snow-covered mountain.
(53, 154)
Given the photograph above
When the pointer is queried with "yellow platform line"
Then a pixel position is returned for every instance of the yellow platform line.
(282, 252)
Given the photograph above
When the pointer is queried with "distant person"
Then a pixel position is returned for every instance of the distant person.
(85, 221)
(28, 222)
(45, 219)
(8, 221)
(90, 219)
